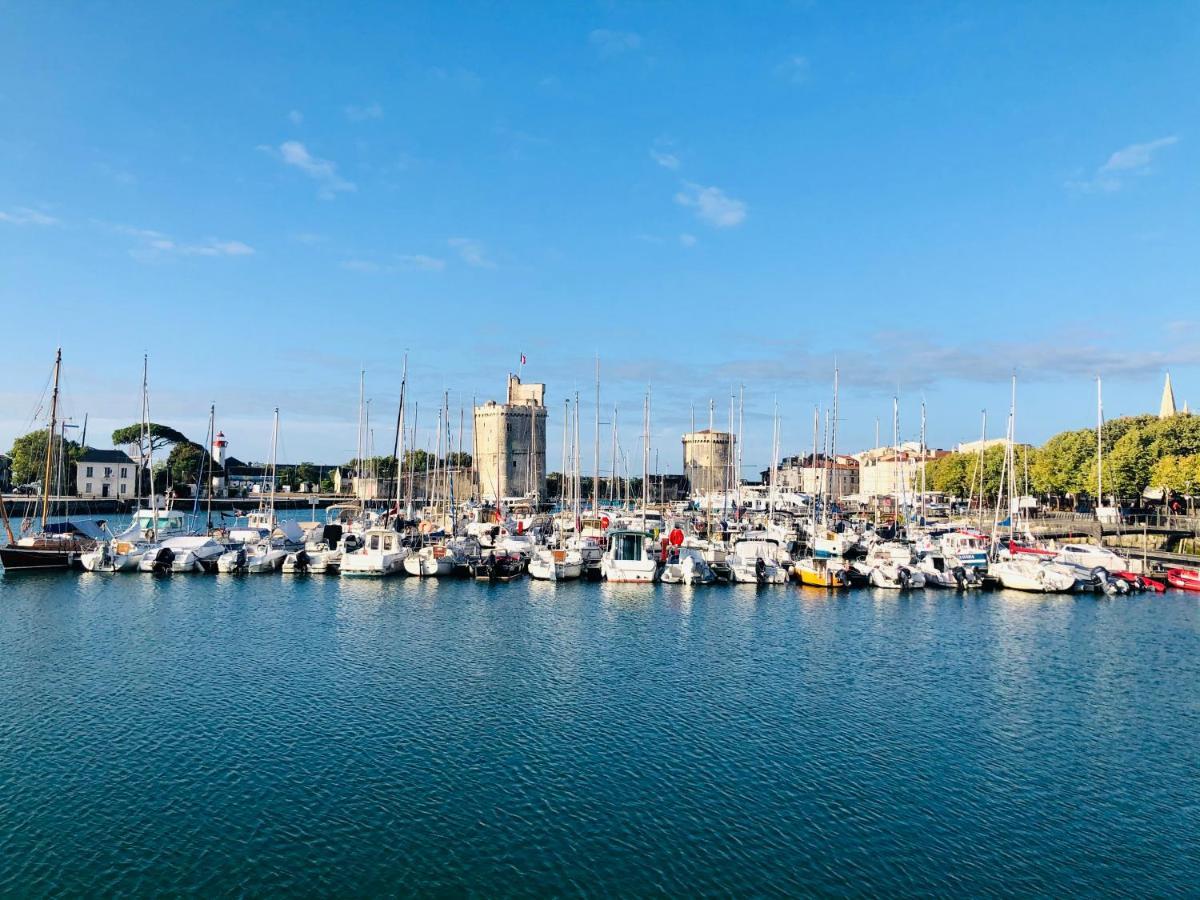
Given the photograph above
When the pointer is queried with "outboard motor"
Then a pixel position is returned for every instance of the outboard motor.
(760, 570)
(331, 535)
(302, 562)
(905, 577)
(1101, 581)
(240, 565)
(163, 559)
(960, 577)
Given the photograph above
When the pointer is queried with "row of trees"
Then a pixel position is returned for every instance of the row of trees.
(417, 460)
(1140, 452)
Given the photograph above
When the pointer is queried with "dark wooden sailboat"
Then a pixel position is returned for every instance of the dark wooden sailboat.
(56, 545)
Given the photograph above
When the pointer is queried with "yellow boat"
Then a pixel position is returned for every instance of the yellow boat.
(818, 572)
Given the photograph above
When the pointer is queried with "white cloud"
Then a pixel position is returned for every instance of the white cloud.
(22, 215)
(611, 43)
(687, 240)
(361, 265)
(712, 205)
(323, 171)
(295, 117)
(308, 237)
(156, 245)
(421, 261)
(472, 252)
(794, 69)
(363, 113)
(664, 159)
(1136, 159)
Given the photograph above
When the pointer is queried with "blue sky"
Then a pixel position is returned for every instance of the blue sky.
(267, 198)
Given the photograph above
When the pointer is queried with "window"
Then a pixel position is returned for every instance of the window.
(124, 489)
(124, 471)
(108, 471)
(87, 488)
(374, 542)
(89, 474)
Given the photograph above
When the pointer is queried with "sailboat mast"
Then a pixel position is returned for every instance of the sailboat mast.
(50, 439)
(274, 459)
(212, 437)
(645, 456)
(398, 444)
(149, 436)
(596, 460)
(922, 462)
(1099, 447)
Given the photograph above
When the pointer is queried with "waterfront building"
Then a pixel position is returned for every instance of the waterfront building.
(104, 474)
(887, 471)
(708, 461)
(809, 474)
(510, 443)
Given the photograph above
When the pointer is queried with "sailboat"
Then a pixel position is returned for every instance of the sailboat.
(56, 545)
(262, 554)
(382, 551)
(626, 558)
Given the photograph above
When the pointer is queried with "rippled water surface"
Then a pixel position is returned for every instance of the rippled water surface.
(262, 734)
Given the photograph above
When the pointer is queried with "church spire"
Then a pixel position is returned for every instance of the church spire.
(1166, 408)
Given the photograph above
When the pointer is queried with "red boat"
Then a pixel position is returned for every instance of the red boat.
(1140, 582)
(1184, 579)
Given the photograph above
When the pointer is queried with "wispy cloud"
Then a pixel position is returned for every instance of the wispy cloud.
(364, 113)
(1134, 160)
(407, 262)
(365, 266)
(296, 117)
(687, 240)
(308, 237)
(421, 261)
(612, 43)
(793, 69)
(154, 244)
(471, 252)
(23, 215)
(712, 205)
(322, 171)
(664, 159)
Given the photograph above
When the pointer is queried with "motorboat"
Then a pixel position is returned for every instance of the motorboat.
(183, 553)
(945, 572)
(890, 564)
(1029, 572)
(432, 560)
(498, 567)
(1184, 579)
(969, 548)
(755, 560)
(114, 555)
(826, 572)
(556, 564)
(382, 553)
(252, 559)
(687, 565)
(626, 559)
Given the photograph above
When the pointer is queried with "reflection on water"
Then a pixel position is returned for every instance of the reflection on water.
(255, 734)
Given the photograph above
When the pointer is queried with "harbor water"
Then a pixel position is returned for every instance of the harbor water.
(225, 735)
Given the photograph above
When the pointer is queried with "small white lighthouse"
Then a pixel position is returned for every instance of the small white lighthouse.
(218, 457)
